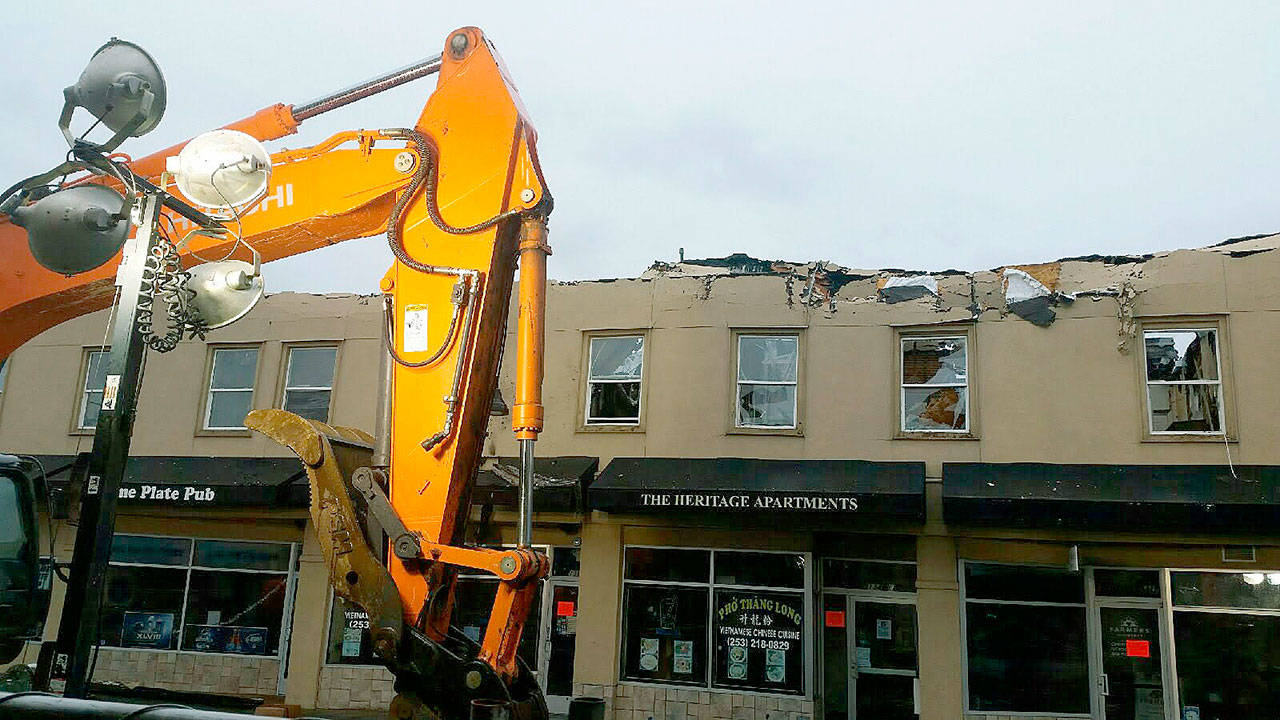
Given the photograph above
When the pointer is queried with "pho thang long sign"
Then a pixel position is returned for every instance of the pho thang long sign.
(747, 501)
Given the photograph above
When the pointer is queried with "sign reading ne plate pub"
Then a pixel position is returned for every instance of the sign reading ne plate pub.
(793, 502)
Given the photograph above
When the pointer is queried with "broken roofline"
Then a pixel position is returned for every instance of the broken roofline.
(1030, 291)
(743, 264)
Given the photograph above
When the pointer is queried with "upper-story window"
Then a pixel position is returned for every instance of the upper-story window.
(4, 373)
(935, 384)
(767, 382)
(1184, 380)
(95, 379)
(308, 381)
(614, 372)
(231, 380)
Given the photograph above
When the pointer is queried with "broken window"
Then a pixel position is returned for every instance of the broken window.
(768, 367)
(935, 384)
(1184, 382)
(614, 372)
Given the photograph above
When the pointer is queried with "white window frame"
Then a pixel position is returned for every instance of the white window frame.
(903, 385)
(286, 616)
(1090, 673)
(288, 363)
(1147, 382)
(4, 377)
(710, 585)
(83, 405)
(210, 389)
(738, 382)
(638, 380)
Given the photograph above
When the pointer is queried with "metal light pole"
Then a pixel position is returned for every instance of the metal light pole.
(82, 609)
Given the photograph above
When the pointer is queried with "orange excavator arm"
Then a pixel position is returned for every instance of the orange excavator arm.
(461, 197)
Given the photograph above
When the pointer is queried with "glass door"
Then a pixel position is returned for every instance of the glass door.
(869, 658)
(1131, 685)
(561, 630)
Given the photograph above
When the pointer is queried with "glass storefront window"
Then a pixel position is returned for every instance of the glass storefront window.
(241, 555)
(1221, 589)
(759, 641)
(150, 550)
(143, 607)
(1027, 658)
(869, 575)
(763, 569)
(350, 642)
(564, 562)
(234, 612)
(756, 636)
(668, 564)
(1126, 583)
(213, 596)
(1026, 644)
(1022, 583)
(665, 634)
(1228, 664)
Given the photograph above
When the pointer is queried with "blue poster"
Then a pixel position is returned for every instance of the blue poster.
(147, 630)
(229, 639)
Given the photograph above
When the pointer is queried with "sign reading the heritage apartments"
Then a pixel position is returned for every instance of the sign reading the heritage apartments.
(726, 500)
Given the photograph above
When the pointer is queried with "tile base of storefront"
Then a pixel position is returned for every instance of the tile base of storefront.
(188, 672)
(363, 687)
(626, 701)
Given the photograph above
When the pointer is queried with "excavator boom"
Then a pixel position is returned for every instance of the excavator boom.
(461, 197)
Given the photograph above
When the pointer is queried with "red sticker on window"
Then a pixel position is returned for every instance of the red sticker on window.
(564, 608)
(1137, 648)
(835, 618)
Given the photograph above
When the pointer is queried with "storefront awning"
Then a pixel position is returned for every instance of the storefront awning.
(764, 487)
(558, 483)
(1173, 498)
(187, 481)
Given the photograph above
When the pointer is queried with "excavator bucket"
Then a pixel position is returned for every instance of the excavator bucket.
(331, 455)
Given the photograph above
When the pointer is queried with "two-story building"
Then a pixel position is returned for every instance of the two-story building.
(770, 491)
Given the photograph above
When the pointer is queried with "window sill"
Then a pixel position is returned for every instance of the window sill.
(804, 697)
(936, 436)
(1188, 438)
(619, 428)
(206, 432)
(782, 432)
(82, 431)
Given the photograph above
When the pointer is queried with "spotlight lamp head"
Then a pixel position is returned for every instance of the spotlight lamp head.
(122, 87)
(222, 169)
(224, 291)
(76, 229)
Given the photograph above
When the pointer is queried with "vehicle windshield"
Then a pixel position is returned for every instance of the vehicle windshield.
(13, 571)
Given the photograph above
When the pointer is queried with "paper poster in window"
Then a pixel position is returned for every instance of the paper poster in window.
(648, 654)
(351, 641)
(775, 666)
(862, 657)
(884, 629)
(682, 662)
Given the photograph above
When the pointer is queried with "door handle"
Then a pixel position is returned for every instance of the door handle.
(1104, 685)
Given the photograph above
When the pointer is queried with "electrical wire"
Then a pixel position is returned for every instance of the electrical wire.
(144, 710)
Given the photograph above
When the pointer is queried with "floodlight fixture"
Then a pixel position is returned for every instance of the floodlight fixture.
(122, 87)
(223, 169)
(225, 290)
(76, 229)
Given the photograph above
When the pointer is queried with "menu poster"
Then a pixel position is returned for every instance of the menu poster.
(759, 640)
(682, 659)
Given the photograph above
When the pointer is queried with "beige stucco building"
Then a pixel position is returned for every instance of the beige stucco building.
(774, 491)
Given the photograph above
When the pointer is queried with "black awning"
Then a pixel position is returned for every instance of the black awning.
(743, 485)
(558, 483)
(185, 481)
(1175, 498)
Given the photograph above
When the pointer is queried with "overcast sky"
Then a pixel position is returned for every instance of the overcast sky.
(872, 134)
